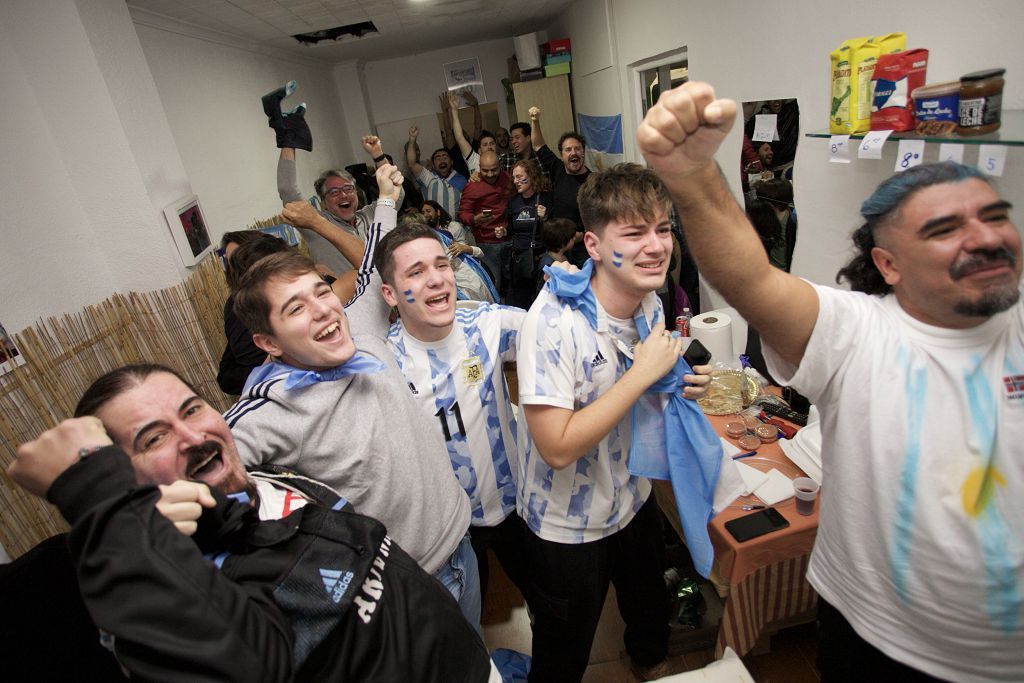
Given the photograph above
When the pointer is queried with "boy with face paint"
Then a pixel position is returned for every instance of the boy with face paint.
(453, 363)
(591, 522)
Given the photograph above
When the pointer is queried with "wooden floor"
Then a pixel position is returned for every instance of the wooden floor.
(506, 624)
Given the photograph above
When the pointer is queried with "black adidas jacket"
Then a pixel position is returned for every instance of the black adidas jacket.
(319, 595)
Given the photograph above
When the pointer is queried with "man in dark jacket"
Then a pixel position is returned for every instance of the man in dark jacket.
(321, 594)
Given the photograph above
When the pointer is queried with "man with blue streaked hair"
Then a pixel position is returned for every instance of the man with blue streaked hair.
(919, 377)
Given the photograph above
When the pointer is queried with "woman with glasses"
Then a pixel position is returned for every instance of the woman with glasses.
(527, 207)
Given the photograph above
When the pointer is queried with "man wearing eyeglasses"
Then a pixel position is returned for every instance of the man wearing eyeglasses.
(338, 203)
(335, 188)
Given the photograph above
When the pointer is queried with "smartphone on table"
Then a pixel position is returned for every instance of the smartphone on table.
(756, 524)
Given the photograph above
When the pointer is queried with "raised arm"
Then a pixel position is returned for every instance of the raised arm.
(371, 143)
(302, 215)
(464, 147)
(287, 179)
(478, 119)
(536, 136)
(412, 152)
(679, 138)
(446, 124)
(368, 312)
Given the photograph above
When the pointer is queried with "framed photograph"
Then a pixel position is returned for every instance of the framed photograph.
(10, 358)
(465, 74)
(188, 226)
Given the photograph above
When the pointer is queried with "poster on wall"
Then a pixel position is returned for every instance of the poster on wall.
(188, 227)
(10, 357)
(465, 74)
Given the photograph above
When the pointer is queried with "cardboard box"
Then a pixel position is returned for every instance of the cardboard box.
(557, 69)
(557, 59)
(558, 46)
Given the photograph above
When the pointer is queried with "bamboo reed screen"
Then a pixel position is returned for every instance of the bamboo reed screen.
(181, 327)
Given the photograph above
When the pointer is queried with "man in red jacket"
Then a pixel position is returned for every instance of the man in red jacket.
(483, 207)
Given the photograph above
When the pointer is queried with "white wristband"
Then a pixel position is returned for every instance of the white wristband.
(387, 201)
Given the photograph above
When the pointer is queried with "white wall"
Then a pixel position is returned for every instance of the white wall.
(406, 87)
(780, 49)
(78, 223)
(210, 87)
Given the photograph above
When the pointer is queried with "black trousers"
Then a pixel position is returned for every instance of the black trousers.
(845, 657)
(569, 583)
(508, 541)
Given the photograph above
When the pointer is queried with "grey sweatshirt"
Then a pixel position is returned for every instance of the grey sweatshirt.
(363, 435)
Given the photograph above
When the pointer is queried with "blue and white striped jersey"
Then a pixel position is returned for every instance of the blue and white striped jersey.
(564, 362)
(459, 382)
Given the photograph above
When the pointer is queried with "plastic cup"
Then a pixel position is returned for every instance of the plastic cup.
(806, 490)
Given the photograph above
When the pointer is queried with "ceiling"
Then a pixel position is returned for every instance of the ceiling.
(405, 26)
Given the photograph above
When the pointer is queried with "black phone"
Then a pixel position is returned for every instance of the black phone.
(756, 524)
(697, 354)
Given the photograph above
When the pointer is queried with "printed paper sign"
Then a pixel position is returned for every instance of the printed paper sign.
(909, 154)
(992, 159)
(765, 128)
(949, 151)
(839, 149)
(871, 145)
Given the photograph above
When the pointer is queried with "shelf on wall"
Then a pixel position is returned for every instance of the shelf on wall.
(1010, 133)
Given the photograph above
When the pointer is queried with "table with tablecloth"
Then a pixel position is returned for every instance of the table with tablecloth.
(763, 580)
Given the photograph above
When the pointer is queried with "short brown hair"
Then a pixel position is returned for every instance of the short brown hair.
(624, 191)
(557, 232)
(249, 252)
(383, 255)
(251, 303)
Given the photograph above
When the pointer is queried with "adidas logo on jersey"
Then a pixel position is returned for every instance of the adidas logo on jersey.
(413, 389)
(336, 583)
(599, 359)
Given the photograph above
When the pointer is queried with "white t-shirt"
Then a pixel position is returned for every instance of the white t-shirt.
(459, 382)
(563, 362)
(914, 419)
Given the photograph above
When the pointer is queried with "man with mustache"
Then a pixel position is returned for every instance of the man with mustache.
(919, 377)
(567, 178)
(322, 595)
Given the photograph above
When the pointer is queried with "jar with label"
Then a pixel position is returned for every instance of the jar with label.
(981, 101)
(937, 108)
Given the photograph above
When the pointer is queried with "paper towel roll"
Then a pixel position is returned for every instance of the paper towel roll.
(714, 330)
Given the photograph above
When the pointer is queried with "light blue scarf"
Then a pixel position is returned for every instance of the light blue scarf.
(678, 443)
(298, 378)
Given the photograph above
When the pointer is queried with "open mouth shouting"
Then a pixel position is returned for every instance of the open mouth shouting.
(438, 302)
(205, 463)
(330, 333)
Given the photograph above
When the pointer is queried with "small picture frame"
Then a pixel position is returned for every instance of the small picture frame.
(188, 227)
(10, 357)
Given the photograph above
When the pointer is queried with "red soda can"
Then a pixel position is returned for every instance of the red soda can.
(683, 325)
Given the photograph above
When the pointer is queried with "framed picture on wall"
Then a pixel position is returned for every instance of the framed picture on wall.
(188, 226)
(10, 358)
(465, 74)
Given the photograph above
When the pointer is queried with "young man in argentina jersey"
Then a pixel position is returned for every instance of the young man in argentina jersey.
(452, 360)
(581, 368)
(333, 405)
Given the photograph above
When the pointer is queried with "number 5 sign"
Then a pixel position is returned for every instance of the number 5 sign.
(992, 159)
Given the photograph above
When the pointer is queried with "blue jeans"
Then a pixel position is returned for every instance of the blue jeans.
(498, 258)
(461, 576)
